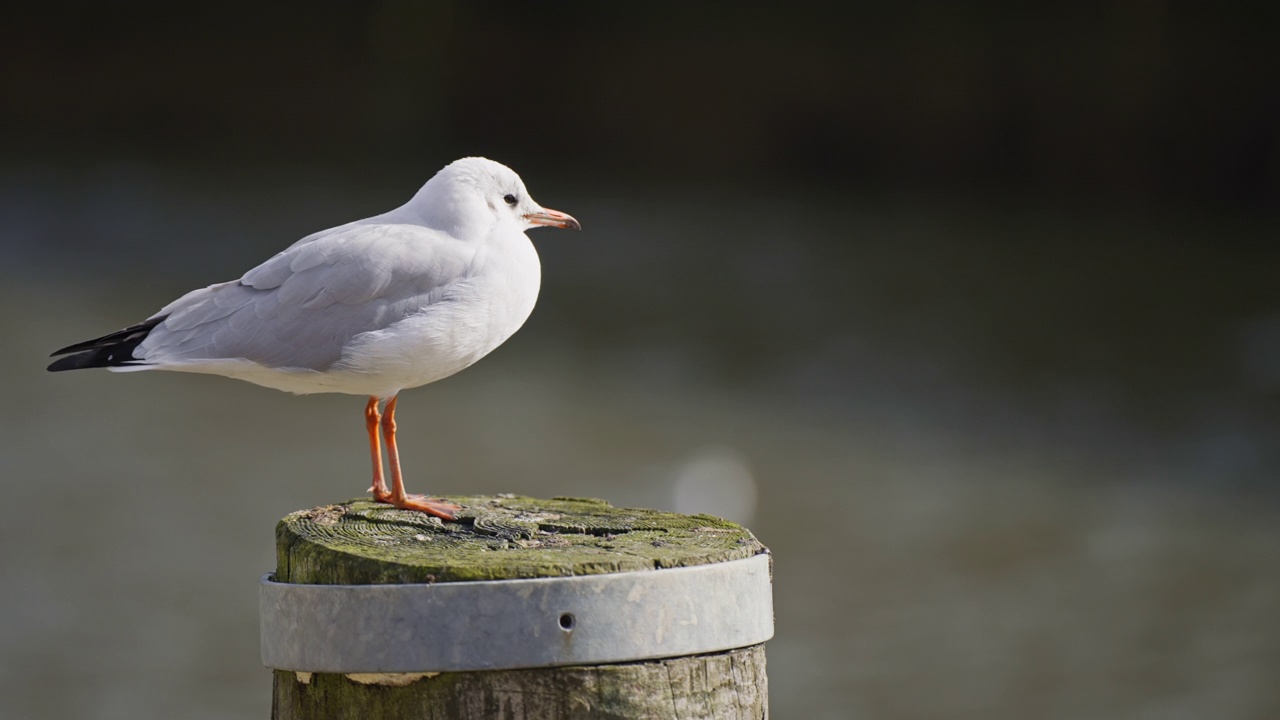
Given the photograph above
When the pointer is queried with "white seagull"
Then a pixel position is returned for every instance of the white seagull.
(371, 308)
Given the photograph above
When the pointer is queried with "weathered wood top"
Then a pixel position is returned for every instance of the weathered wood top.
(496, 538)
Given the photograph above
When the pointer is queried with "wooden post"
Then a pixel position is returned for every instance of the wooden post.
(507, 538)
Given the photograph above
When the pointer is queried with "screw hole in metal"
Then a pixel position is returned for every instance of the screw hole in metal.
(567, 621)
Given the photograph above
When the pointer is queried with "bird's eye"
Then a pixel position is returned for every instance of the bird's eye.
(509, 199)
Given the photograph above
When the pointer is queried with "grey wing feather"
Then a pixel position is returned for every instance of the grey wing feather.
(301, 308)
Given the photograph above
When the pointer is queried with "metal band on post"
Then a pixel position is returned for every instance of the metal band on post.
(509, 624)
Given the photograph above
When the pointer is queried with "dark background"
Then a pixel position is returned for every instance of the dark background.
(970, 312)
(1122, 106)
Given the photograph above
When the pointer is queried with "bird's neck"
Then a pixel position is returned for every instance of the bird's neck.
(449, 214)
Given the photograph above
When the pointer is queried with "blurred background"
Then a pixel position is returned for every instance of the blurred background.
(971, 313)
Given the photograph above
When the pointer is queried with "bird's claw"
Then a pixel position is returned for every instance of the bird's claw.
(422, 503)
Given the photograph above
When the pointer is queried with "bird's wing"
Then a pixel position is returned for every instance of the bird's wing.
(302, 307)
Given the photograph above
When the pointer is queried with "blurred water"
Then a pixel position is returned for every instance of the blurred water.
(1011, 464)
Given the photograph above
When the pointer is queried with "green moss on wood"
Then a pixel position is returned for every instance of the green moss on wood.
(496, 538)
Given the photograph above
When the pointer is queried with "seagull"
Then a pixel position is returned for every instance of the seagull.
(369, 308)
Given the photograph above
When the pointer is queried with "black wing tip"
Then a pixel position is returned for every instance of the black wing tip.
(86, 345)
(108, 357)
(112, 350)
(71, 362)
(67, 349)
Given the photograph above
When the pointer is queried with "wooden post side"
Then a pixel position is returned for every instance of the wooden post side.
(501, 538)
(723, 685)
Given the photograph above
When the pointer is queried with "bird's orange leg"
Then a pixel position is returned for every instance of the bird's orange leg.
(371, 420)
(439, 508)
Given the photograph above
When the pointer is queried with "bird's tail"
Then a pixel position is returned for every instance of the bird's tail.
(114, 350)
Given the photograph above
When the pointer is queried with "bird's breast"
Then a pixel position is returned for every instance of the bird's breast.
(469, 319)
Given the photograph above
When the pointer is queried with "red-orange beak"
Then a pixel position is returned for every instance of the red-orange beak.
(553, 218)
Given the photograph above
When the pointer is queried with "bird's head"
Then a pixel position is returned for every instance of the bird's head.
(476, 192)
